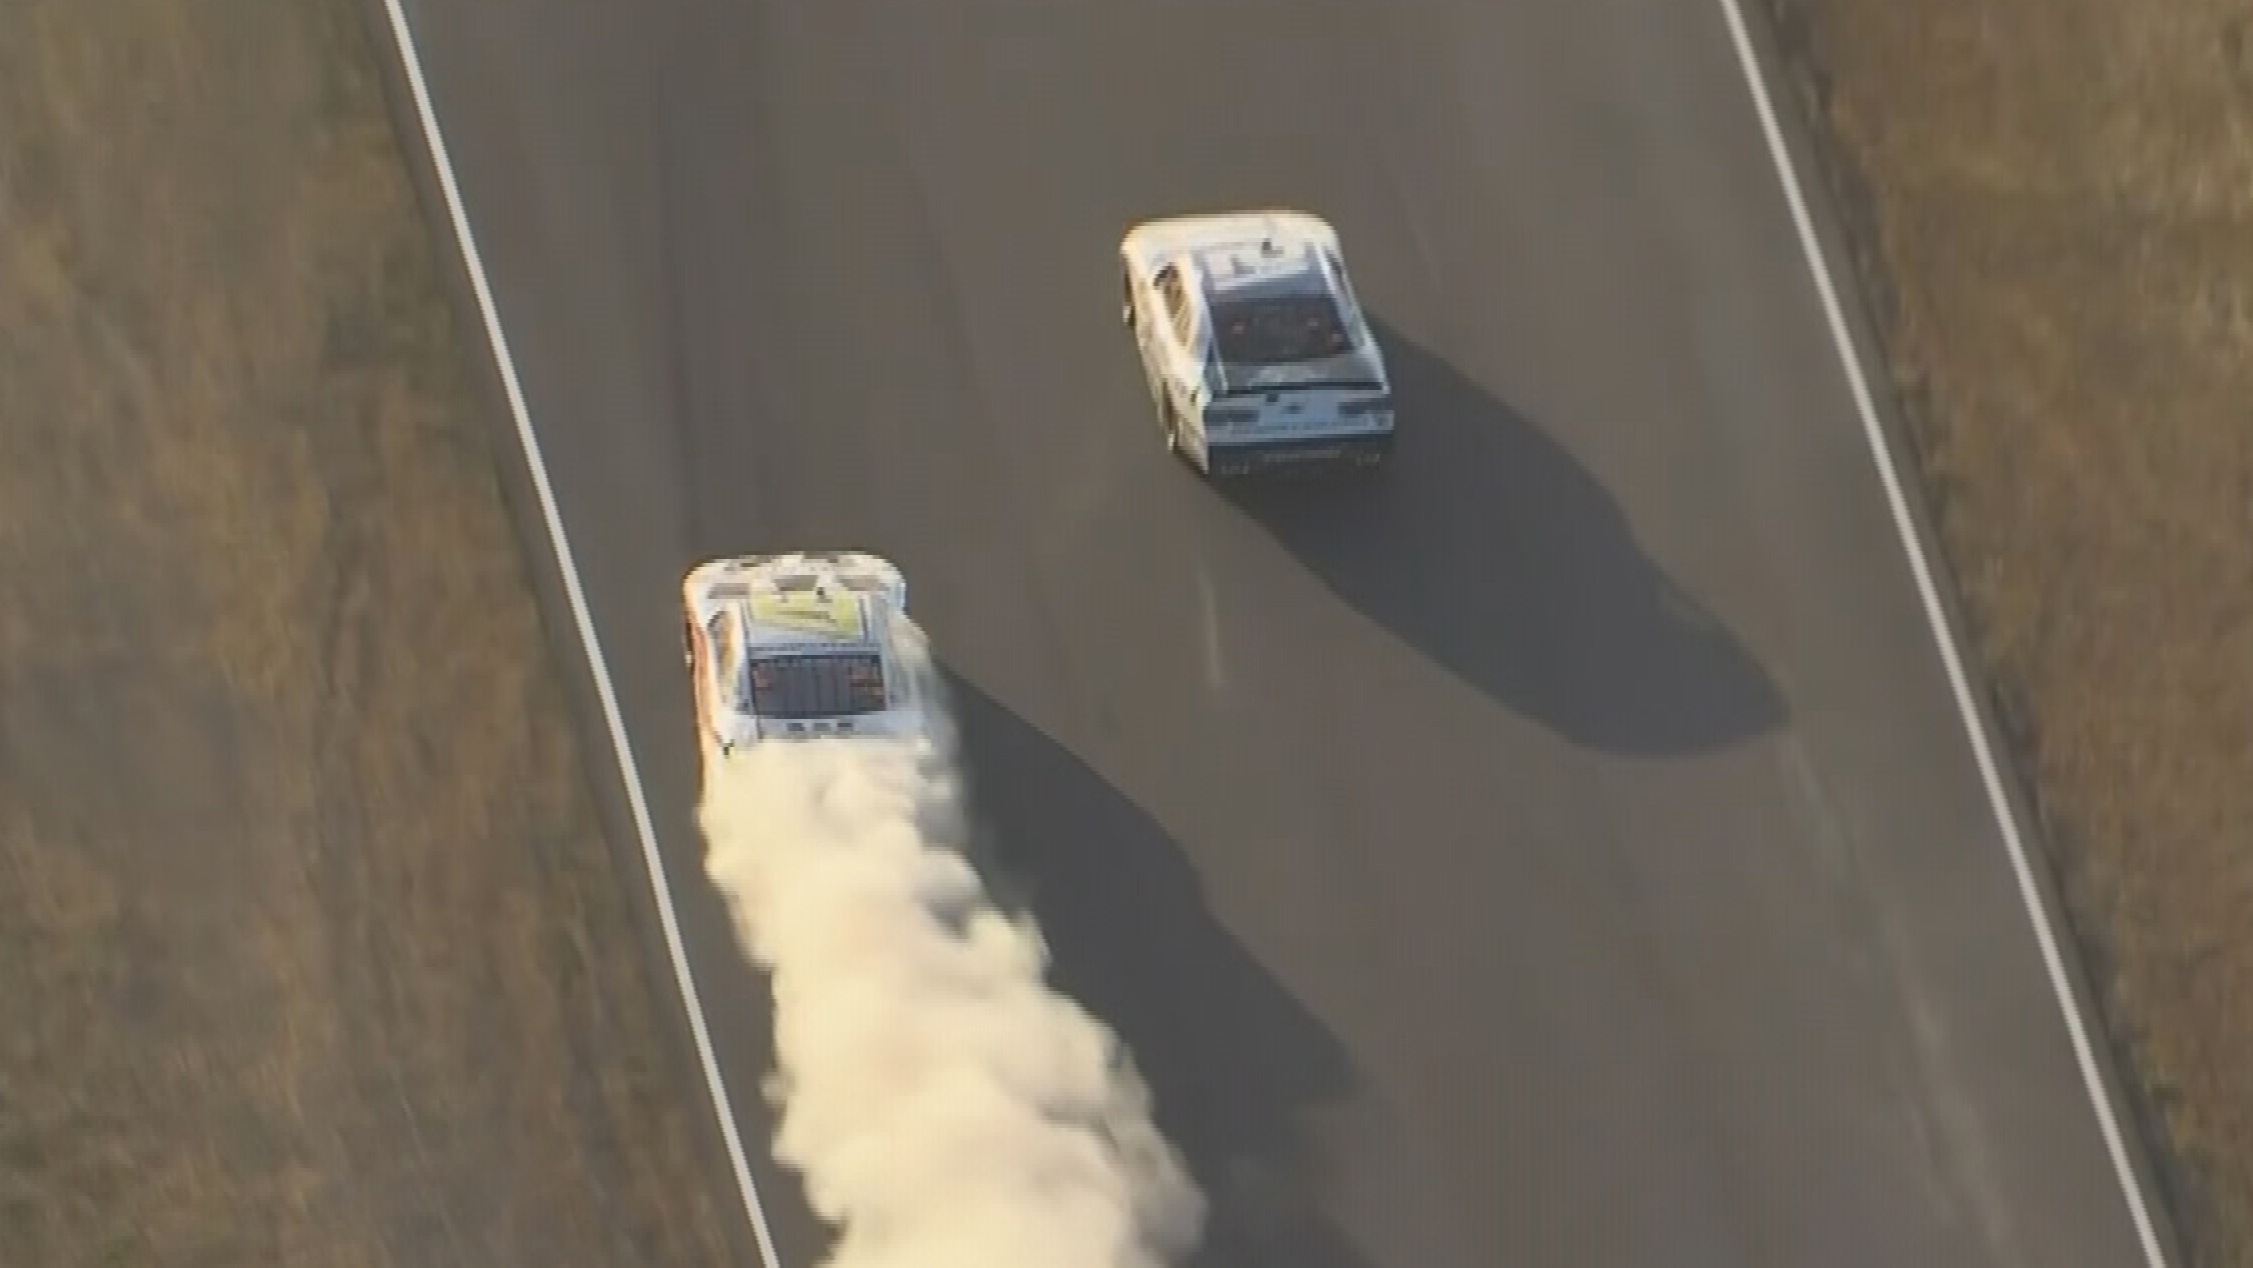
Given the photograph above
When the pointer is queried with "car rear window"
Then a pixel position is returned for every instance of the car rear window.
(1279, 330)
(819, 685)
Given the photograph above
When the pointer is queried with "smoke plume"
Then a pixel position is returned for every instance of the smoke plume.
(945, 1107)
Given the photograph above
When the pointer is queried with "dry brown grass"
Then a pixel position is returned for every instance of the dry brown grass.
(310, 949)
(2056, 198)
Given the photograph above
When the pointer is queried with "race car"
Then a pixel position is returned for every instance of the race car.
(1254, 348)
(800, 645)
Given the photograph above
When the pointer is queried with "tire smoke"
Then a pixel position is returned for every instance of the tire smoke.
(945, 1107)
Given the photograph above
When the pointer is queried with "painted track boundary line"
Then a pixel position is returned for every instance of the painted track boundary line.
(1943, 634)
(622, 748)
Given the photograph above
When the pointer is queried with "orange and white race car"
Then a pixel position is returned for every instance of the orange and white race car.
(801, 645)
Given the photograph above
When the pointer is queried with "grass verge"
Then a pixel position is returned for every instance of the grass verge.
(311, 948)
(2053, 200)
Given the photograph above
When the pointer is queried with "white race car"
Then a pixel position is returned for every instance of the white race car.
(801, 645)
(1254, 347)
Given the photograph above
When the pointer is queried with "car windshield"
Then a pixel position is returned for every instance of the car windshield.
(1279, 330)
(817, 685)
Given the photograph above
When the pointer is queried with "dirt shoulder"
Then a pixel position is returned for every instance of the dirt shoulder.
(2054, 199)
(311, 947)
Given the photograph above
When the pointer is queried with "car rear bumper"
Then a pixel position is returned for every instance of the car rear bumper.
(1329, 452)
(897, 723)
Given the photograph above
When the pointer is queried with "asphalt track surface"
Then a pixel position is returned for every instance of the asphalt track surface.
(1563, 851)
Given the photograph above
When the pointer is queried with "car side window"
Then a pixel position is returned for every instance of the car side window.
(719, 632)
(1348, 301)
(1176, 296)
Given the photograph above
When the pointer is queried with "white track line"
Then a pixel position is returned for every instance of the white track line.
(1966, 704)
(412, 63)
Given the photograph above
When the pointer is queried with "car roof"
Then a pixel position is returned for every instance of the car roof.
(813, 615)
(806, 614)
(1262, 269)
(1246, 255)
(1172, 236)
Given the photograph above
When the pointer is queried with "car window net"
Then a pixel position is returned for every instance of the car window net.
(816, 686)
(1279, 330)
